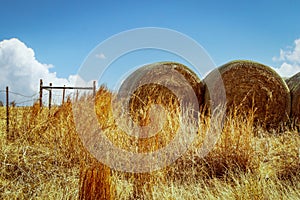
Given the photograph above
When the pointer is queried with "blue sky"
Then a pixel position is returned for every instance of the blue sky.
(62, 33)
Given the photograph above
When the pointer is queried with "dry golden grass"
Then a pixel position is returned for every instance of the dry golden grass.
(42, 155)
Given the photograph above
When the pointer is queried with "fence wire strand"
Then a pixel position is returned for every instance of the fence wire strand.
(18, 99)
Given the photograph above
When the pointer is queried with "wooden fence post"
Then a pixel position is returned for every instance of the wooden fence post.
(63, 97)
(50, 88)
(7, 111)
(77, 94)
(94, 88)
(50, 96)
(41, 93)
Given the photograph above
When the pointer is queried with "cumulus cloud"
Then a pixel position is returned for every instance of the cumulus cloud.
(289, 60)
(21, 71)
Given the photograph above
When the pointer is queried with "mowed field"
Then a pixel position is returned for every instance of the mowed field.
(42, 155)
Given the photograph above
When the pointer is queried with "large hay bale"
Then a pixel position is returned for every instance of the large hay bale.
(170, 85)
(167, 84)
(294, 86)
(160, 77)
(251, 86)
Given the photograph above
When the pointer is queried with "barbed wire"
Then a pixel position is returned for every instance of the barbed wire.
(24, 100)
(19, 94)
(19, 99)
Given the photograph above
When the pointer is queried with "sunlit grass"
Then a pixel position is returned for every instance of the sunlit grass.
(42, 155)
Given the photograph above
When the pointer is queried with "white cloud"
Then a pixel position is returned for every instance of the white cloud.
(289, 59)
(21, 71)
(101, 56)
(287, 70)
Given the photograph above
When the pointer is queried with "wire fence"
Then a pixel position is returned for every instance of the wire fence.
(55, 96)
(18, 99)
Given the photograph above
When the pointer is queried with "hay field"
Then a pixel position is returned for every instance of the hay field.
(42, 155)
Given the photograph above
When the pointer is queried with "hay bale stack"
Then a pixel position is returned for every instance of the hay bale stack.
(251, 86)
(294, 86)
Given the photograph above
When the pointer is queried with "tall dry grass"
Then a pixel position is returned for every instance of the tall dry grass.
(42, 156)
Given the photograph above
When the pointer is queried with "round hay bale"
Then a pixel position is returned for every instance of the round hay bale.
(164, 84)
(251, 86)
(160, 77)
(170, 85)
(294, 86)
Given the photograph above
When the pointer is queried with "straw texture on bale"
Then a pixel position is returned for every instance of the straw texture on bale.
(294, 86)
(155, 79)
(167, 84)
(251, 86)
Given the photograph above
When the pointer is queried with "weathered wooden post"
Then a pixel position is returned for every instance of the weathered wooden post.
(41, 93)
(63, 97)
(50, 95)
(7, 111)
(94, 88)
(77, 94)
